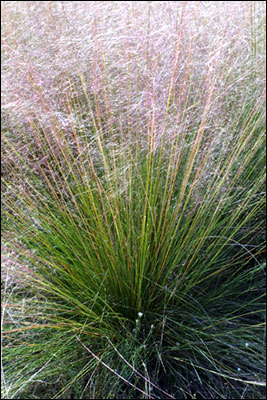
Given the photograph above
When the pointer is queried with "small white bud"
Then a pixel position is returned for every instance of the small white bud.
(246, 344)
(140, 314)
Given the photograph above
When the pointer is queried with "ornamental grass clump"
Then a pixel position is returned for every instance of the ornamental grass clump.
(133, 199)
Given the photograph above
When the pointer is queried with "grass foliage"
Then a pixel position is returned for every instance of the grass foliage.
(133, 199)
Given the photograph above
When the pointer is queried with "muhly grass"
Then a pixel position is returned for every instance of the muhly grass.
(133, 199)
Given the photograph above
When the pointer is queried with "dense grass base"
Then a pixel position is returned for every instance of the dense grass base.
(133, 200)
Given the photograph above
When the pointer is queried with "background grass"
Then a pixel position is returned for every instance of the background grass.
(133, 169)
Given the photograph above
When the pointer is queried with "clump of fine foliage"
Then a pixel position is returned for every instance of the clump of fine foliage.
(133, 195)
